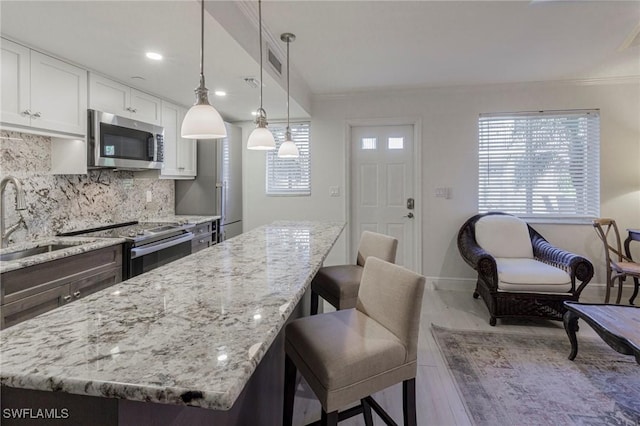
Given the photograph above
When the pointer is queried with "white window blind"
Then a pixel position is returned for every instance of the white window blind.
(289, 176)
(540, 164)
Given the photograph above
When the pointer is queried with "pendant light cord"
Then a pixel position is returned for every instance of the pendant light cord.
(288, 42)
(202, 40)
(260, 29)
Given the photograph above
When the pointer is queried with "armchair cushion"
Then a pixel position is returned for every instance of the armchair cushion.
(504, 236)
(530, 275)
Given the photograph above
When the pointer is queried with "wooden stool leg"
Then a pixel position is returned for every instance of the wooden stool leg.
(314, 302)
(289, 391)
(329, 419)
(366, 412)
(620, 281)
(409, 402)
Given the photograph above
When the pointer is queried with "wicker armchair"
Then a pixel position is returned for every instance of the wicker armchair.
(505, 300)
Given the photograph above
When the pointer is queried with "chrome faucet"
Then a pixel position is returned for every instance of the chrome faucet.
(20, 205)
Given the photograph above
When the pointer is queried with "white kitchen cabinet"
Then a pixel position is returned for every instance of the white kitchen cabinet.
(110, 96)
(42, 92)
(179, 153)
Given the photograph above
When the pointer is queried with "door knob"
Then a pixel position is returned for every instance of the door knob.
(410, 215)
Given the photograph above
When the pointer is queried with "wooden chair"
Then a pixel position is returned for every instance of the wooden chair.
(520, 274)
(348, 355)
(619, 266)
(339, 284)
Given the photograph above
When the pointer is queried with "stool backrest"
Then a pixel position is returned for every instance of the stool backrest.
(604, 229)
(392, 295)
(377, 245)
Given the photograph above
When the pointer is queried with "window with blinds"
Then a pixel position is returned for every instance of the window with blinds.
(290, 176)
(540, 164)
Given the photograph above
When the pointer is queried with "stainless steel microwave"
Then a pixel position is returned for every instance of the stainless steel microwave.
(123, 143)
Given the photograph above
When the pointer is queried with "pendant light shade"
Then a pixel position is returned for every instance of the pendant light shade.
(288, 149)
(202, 121)
(261, 138)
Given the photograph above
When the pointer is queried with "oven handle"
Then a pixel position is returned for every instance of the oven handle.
(141, 251)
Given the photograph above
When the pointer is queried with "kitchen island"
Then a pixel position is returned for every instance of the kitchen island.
(204, 331)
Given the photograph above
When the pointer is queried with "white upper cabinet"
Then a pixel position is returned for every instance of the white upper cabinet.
(16, 95)
(42, 92)
(110, 96)
(179, 154)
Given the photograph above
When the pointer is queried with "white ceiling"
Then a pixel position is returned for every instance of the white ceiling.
(346, 46)
(341, 46)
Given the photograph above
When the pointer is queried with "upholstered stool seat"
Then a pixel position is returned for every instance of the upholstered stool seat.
(347, 355)
(339, 284)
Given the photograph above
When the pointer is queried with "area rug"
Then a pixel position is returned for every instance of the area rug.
(520, 379)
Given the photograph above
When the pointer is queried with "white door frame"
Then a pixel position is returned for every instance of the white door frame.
(416, 122)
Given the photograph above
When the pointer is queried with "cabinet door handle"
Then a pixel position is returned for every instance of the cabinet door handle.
(133, 110)
(26, 112)
(36, 115)
(76, 294)
(202, 241)
(66, 298)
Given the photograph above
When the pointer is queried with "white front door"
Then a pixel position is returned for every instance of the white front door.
(382, 187)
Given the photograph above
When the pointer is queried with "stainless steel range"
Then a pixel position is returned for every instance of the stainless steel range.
(148, 245)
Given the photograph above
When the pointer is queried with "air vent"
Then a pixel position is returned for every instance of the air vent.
(272, 58)
(252, 82)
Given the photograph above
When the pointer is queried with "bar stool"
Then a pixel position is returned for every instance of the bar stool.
(347, 355)
(339, 284)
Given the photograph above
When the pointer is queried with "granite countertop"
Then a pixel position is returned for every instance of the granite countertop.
(194, 219)
(77, 245)
(188, 333)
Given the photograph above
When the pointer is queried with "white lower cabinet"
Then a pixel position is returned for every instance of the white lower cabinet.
(180, 154)
(42, 92)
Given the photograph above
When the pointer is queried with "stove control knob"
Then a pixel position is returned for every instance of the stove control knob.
(141, 232)
(132, 234)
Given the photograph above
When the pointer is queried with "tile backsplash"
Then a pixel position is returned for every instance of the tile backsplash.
(59, 203)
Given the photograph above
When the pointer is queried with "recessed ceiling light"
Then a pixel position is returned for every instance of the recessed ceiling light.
(155, 56)
(220, 93)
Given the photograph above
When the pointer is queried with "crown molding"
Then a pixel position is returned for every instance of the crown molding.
(413, 90)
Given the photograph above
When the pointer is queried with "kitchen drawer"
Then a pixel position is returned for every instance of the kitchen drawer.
(31, 291)
(35, 279)
(202, 241)
(32, 306)
(204, 228)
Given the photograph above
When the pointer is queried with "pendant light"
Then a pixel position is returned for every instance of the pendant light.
(202, 121)
(261, 138)
(288, 149)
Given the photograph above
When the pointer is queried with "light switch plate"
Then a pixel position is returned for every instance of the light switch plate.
(149, 196)
(334, 191)
(443, 193)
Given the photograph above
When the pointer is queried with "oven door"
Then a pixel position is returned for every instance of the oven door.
(151, 256)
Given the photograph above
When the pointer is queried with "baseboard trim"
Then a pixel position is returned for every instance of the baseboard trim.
(593, 291)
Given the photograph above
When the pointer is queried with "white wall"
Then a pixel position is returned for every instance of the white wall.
(449, 158)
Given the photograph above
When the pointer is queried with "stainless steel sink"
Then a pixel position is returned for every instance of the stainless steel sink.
(20, 254)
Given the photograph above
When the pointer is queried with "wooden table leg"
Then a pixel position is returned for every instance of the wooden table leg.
(636, 282)
(571, 326)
